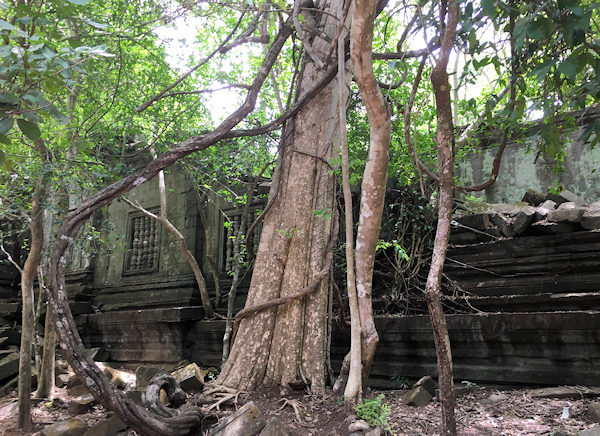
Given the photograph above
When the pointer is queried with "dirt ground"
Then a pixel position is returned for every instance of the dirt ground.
(484, 411)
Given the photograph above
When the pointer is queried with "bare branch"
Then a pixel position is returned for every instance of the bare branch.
(184, 76)
(10, 259)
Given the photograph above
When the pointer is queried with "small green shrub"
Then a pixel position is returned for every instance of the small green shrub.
(375, 412)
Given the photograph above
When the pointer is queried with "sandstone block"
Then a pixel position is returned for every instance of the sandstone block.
(9, 366)
(557, 392)
(566, 212)
(358, 426)
(533, 197)
(109, 427)
(274, 428)
(590, 219)
(428, 383)
(418, 397)
(190, 378)
(70, 427)
(246, 421)
(593, 412)
(143, 374)
(81, 404)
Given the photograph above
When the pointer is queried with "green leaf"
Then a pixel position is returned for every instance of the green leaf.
(29, 129)
(568, 68)
(5, 125)
(5, 25)
(8, 98)
(79, 2)
(95, 24)
(489, 8)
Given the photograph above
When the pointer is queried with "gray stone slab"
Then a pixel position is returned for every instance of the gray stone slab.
(246, 421)
(428, 383)
(566, 212)
(594, 431)
(556, 392)
(108, 427)
(590, 219)
(593, 412)
(275, 428)
(9, 366)
(418, 397)
(70, 427)
(190, 378)
(533, 197)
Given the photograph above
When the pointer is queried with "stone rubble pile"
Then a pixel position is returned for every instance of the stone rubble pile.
(536, 214)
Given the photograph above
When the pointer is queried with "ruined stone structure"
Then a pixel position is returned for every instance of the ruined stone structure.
(535, 297)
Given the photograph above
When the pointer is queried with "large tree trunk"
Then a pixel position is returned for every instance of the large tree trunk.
(288, 343)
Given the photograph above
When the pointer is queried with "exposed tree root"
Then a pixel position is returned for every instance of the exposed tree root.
(219, 395)
(294, 404)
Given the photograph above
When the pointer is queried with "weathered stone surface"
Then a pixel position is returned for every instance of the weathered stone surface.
(61, 367)
(541, 212)
(143, 374)
(428, 383)
(375, 432)
(566, 212)
(246, 421)
(462, 389)
(10, 409)
(496, 398)
(568, 196)
(555, 228)
(593, 412)
(190, 378)
(594, 431)
(70, 427)
(81, 404)
(478, 221)
(275, 428)
(418, 397)
(533, 197)
(108, 427)
(9, 366)
(595, 205)
(12, 336)
(590, 219)
(73, 381)
(117, 378)
(557, 392)
(359, 425)
(78, 390)
(61, 380)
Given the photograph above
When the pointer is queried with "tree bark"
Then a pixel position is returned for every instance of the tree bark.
(375, 174)
(36, 242)
(445, 143)
(100, 387)
(287, 344)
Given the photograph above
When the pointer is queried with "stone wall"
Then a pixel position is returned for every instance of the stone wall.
(523, 167)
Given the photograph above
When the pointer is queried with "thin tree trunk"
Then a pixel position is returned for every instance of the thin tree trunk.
(46, 370)
(237, 268)
(445, 143)
(36, 239)
(375, 174)
(353, 390)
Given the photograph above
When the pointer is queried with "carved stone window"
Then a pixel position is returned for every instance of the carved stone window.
(143, 244)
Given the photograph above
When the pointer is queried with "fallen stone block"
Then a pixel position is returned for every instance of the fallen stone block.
(595, 205)
(275, 428)
(117, 378)
(427, 383)
(12, 336)
(143, 374)
(73, 381)
(81, 405)
(418, 397)
(593, 412)
(78, 391)
(590, 219)
(541, 212)
(564, 197)
(61, 367)
(556, 392)
(9, 366)
(547, 227)
(70, 427)
(533, 197)
(359, 425)
(496, 398)
(375, 432)
(108, 427)
(594, 431)
(478, 221)
(566, 212)
(61, 380)
(246, 421)
(190, 378)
